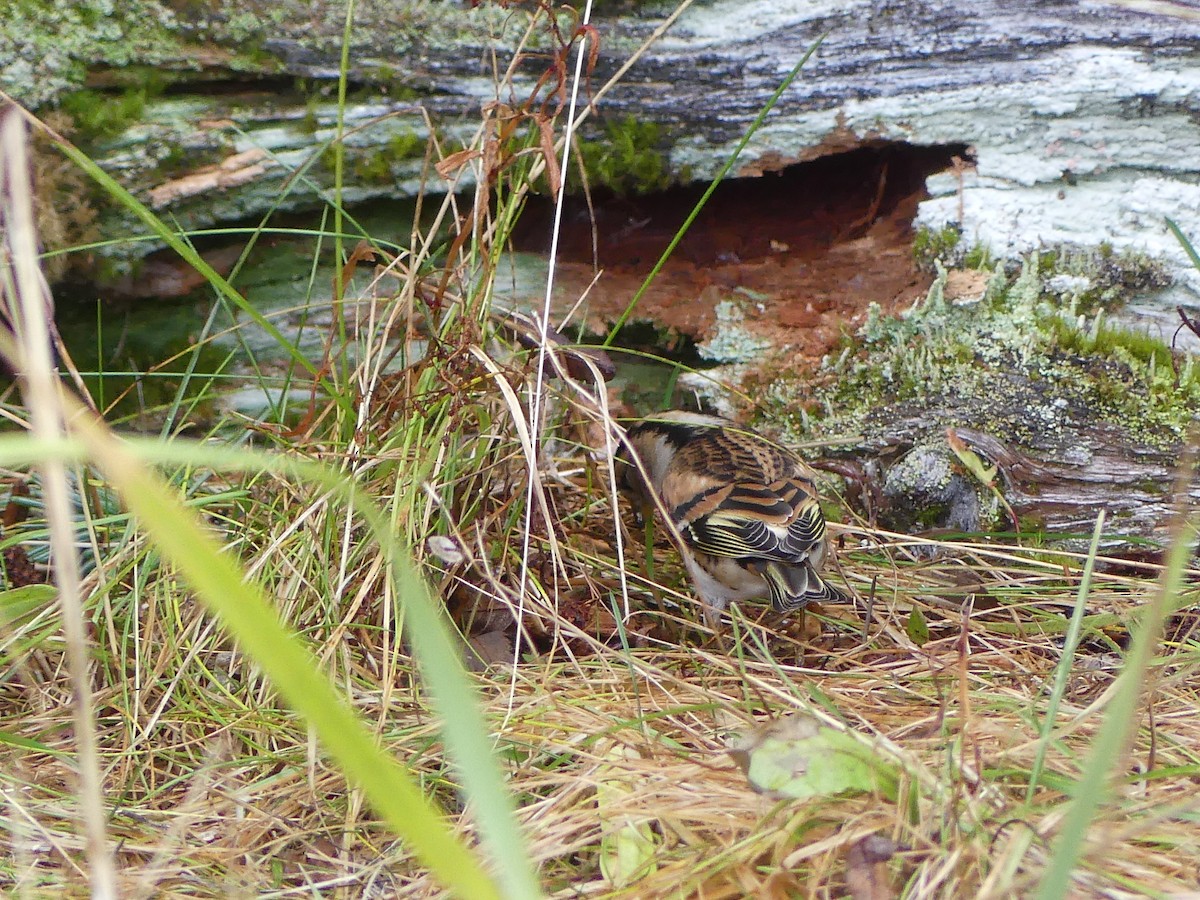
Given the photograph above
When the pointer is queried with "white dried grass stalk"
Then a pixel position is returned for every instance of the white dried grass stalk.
(28, 307)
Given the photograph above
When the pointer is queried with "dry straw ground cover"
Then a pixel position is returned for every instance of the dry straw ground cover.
(216, 791)
(1030, 712)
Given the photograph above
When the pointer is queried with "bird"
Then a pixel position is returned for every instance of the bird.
(746, 509)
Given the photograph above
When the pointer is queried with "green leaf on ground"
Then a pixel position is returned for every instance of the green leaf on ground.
(798, 756)
(19, 603)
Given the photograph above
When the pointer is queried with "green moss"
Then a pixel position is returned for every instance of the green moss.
(629, 158)
(930, 246)
(1101, 277)
(151, 81)
(254, 57)
(1135, 348)
(943, 246)
(1012, 364)
(98, 116)
(1046, 262)
(1141, 380)
(328, 158)
(404, 145)
(979, 257)
(379, 164)
(314, 89)
(400, 89)
(372, 169)
(312, 119)
(181, 160)
(394, 83)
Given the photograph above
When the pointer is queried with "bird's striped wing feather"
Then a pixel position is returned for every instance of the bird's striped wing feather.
(780, 521)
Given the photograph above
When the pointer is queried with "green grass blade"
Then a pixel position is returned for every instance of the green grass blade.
(1184, 242)
(250, 618)
(16, 603)
(1120, 719)
(1062, 672)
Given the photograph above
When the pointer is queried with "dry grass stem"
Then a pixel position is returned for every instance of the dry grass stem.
(28, 313)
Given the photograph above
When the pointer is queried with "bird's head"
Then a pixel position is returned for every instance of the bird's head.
(648, 448)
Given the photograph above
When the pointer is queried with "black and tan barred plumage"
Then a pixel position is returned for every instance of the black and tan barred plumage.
(746, 509)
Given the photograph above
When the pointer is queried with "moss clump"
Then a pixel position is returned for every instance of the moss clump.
(311, 122)
(98, 116)
(934, 245)
(978, 257)
(328, 159)
(1137, 375)
(628, 158)
(406, 145)
(395, 84)
(1013, 364)
(1132, 347)
(1099, 278)
(372, 168)
(943, 247)
(379, 164)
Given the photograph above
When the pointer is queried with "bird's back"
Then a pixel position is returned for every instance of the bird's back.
(727, 455)
(732, 472)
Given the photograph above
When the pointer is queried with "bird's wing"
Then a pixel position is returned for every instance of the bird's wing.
(780, 521)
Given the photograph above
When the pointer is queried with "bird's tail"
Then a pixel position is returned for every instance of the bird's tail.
(795, 586)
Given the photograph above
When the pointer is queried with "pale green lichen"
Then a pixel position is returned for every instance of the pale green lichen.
(1019, 363)
(731, 342)
(48, 46)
